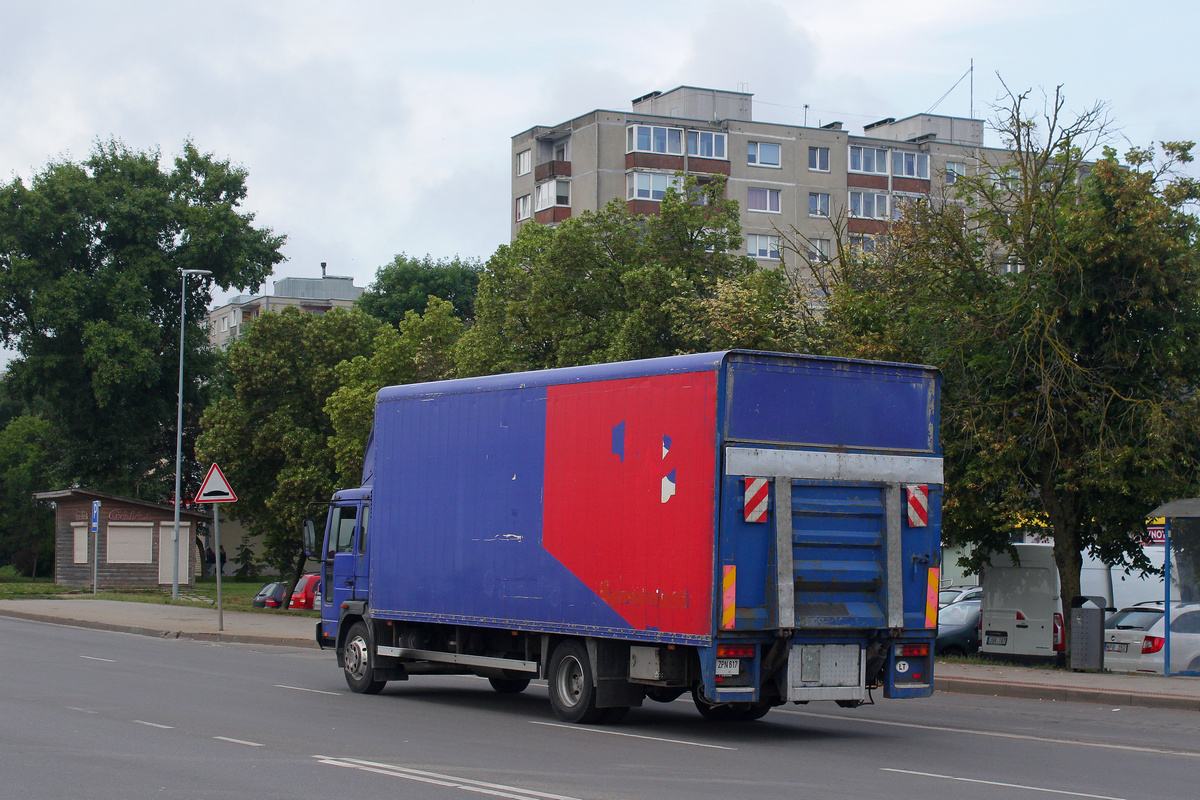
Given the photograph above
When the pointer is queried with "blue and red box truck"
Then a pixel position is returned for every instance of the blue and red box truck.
(753, 528)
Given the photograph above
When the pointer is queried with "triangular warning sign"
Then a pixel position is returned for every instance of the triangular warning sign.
(215, 488)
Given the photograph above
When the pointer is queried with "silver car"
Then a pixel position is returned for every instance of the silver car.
(1135, 639)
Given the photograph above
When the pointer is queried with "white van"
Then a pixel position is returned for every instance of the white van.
(1021, 614)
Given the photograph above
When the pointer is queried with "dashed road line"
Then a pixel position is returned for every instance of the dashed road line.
(302, 689)
(1003, 785)
(239, 741)
(438, 779)
(631, 735)
(94, 658)
(154, 724)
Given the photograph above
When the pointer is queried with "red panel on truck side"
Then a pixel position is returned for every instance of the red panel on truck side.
(629, 494)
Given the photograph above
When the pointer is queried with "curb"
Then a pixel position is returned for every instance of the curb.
(216, 636)
(1036, 691)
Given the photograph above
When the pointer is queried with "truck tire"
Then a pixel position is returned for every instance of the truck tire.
(360, 677)
(665, 694)
(572, 688)
(509, 685)
(728, 712)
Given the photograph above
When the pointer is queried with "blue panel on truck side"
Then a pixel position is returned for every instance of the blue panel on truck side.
(845, 404)
(460, 501)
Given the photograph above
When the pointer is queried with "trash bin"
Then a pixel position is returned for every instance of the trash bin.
(1087, 633)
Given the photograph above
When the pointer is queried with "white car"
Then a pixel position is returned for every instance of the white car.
(1135, 639)
(956, 594)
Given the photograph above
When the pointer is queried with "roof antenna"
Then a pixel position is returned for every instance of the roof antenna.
(322, 269)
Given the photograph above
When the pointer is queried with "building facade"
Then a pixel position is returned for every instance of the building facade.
(310, 295)
(789, 179)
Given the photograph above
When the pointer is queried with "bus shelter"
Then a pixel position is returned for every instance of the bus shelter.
(1181, 586)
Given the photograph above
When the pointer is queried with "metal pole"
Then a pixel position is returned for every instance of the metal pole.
(95, 546)
(220, 567)
(1167, 599)
(179, 426)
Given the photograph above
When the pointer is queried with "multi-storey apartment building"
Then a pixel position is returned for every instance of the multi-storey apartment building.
(786, 178)
(311, 295)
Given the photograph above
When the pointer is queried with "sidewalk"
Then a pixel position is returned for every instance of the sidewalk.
(167, 621)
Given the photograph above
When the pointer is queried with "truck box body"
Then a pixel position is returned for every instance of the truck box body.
(682, 501)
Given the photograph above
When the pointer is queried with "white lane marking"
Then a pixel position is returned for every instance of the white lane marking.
(154, 724)
(239, 741)
(302, 689)
(84, 710)
(1004, 785)
(93, 658)
(997, 735)
(438, 779)
(631, 735)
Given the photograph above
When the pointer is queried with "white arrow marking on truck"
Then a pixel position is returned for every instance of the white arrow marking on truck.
(437, 779)
(631, 735)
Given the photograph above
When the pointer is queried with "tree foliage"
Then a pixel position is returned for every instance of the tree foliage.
(407, 283)
(1061, 299)
(90, 298)
(30, 462)
(420, 349)
(614, 285)
(271, 437)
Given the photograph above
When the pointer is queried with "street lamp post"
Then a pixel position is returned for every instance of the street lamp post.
(179, 425)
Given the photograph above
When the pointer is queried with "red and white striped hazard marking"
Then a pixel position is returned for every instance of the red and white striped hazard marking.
(918, 506)
(757, 492)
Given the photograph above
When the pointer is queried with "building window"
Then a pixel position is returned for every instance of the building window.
(524, 162)
(560, 150)
(868, 159)
(762, 246)
(818, 204)
(524, 207)
(818, 250)
(901, 203)
(954, 171)
(224, 324)
(706, 144)
(763, 200)
(649, 185)
(818, 159)
(863, 242)
(552, 193)
(762, 154)
(868, 205)
(654, 139)
(910, 165)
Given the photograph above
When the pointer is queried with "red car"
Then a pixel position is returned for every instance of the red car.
(308, 589)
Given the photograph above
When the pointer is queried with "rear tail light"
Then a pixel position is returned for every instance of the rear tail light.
(1152, 644)
(735, 651)
(912, 650)
(1022, 616)
(1060, 637)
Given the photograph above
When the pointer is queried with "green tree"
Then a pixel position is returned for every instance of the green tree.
(420, 349)
(407, 283)
(271, 437)
(29, 462)
(1061, 299)
(607, 286)
(90, 299)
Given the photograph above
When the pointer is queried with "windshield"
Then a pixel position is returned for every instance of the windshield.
(1133, 619)
(957, 614)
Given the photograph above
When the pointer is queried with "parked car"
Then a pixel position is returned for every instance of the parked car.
(269, 596)
(308, 589)
(956, 594)
(1135, 639)
(958, 629)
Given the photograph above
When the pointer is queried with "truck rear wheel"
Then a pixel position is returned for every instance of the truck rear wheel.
(360, 677)
(572, 688)
(727, 712)
(509, 685)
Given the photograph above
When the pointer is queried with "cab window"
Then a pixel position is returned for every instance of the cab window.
(342, 530)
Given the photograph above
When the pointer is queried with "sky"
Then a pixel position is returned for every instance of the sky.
(370, 129)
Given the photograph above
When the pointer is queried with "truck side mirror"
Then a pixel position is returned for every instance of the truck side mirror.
(309, 538)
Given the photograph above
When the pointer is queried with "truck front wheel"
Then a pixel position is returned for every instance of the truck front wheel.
(359, 675)
(572, 689)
